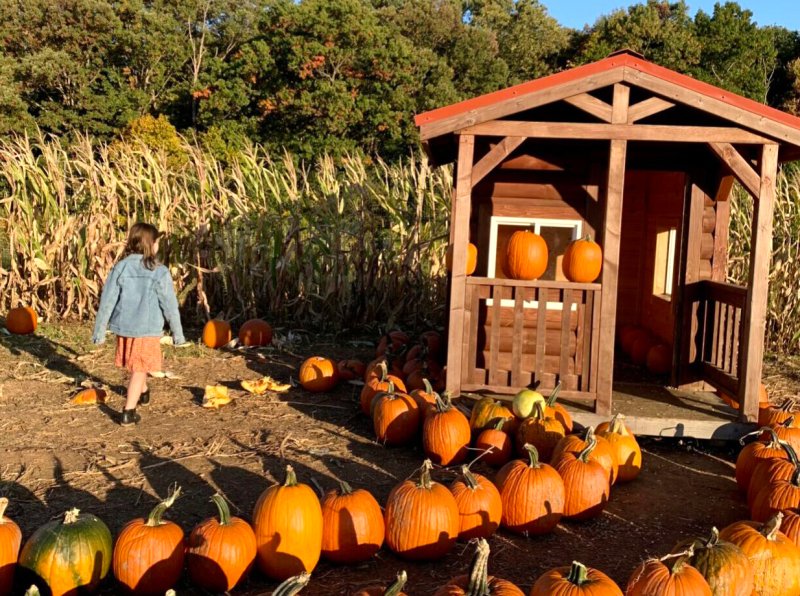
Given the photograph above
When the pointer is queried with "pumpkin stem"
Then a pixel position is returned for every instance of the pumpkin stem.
(384, 368)
(425, 475)
(501, 422)
(443, 401)
(587, 451)
(3, 507)
(478, 576)
(551, 400)
(345, 488)
(223, 509)
(680, 559)
(390, 390)
(538, 412)
(291, 477)
(787, 405)
(788, 422)
(293, 585)
(589, 435)
(533, 454)
(578, 574)
(397, 586)
(764, 429)
(71, 516)
(713, 539)
(469, 478)
(154, 519)
(772, 526)
(616, 424)
(428, 387)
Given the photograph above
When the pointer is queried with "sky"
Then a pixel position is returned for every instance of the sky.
(577, 13)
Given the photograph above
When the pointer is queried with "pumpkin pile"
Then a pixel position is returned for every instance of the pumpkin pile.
(643, 348)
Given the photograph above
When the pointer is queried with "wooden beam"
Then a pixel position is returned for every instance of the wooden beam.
(495, 156)
(591, 105)
(615, 131)
(520, 103)
(724, 189)
(466, 150)
(738, 166)
(710, 105)
(751, 349)
(648, 107)
(719, 260)
(612, 232)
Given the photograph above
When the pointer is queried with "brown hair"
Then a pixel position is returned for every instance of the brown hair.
(141, 240)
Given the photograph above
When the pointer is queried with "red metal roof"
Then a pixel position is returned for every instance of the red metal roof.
(618, 60)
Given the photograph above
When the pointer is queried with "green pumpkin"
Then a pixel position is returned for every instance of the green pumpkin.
(485, 413)
(68, 555)
(725, 567)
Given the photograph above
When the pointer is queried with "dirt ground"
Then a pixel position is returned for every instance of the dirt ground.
(54, 456)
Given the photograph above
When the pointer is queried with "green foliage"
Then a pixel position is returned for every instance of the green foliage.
(157, 134)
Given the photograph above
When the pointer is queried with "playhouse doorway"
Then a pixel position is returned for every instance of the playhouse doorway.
(650, 247)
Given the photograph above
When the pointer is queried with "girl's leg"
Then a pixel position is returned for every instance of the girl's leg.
(135, 387)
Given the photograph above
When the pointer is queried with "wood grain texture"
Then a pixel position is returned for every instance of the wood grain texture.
(738, 166)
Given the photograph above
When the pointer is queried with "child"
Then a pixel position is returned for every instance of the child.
(137, 296)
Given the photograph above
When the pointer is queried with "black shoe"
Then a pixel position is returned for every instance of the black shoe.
(144, 398)
(129, 418)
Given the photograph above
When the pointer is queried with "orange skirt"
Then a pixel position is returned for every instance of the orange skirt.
(139, 354)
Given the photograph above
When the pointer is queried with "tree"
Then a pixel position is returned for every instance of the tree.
(736, 54)
(661, 31)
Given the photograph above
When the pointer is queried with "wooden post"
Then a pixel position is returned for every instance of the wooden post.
(458, 279)
(755, 308)
(612, 231)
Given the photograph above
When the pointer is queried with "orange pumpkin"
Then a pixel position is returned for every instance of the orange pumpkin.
(495, 445)
(479, 505)
(352, 523)
(555, 410)
(350, 370)
(678, 578)
(767, 470)
(395, 417)
(21, 320)
(10, 541)
(378, 380)
(628, 340)
(725, 567)
(148, 555)
(790, 526)
(421, 518)
(255, 332)
(217, 333)
(602, 453)
(775, 559)
(425, 398)
(771, 415)
(89, 396)
(532, 494)
(577, 580)
(220, 552)
(641, 348)
(582, 260)
(540, 430)
(586, 482)
(445, 433)
(626, 450)
(392, 343)
(659, 359)
(472, 258)
(789, 432)
(318, 374)
(763, 401)
(526, 255)
(287, 520)
(778, 494)
(479, 582)
(763, 449)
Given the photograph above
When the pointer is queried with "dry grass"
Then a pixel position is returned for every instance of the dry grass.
(326, 244)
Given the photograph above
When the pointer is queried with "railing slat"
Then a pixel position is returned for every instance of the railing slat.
(473, 315)
(494, 330)
(541, 331)
(516, 345)
(536, 283)
(586, 345)
(566, 314)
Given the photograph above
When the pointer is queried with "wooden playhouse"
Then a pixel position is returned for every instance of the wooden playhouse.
(643, 159)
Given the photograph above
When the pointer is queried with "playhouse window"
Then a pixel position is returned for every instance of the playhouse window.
(664, 262)
(558, 233)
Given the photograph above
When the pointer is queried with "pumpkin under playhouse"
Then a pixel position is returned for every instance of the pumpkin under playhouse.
(642, 159)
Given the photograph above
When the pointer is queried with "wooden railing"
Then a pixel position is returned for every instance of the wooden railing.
(717, 309)
(519, 332)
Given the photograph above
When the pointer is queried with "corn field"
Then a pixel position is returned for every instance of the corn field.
(323, 246)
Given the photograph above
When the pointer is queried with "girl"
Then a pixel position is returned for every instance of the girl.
(137, 296)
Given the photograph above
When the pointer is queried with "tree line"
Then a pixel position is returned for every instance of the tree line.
(338, 76)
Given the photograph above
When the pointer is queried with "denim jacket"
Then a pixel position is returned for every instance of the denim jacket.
(135, 302)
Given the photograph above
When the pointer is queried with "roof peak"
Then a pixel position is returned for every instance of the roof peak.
(627, 52)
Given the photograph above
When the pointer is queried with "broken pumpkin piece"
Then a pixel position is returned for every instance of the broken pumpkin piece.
(216, 396)
(93, 395)
(264, 384)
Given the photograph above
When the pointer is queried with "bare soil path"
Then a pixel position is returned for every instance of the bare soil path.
(54, 456)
